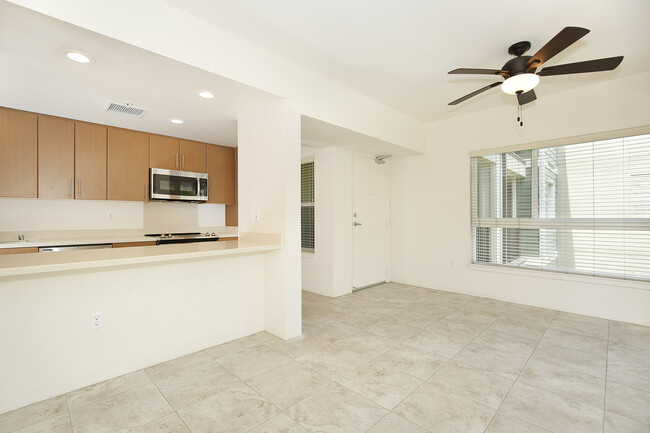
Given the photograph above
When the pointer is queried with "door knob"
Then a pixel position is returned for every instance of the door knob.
(356, 224)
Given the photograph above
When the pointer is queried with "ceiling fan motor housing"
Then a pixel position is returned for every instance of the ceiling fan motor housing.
(516, 66)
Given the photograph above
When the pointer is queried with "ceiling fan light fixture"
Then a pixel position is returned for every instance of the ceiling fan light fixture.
(521, 83)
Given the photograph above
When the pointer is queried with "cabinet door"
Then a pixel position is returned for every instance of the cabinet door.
(23, 250)
(18, 153)
(128, 165)
(221, 174)
(90, 161)
(55, 157)
(164, 152)
(192, 156)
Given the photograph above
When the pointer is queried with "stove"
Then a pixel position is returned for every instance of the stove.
(183, 238)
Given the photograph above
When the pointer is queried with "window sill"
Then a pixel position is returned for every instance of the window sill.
(551, 275)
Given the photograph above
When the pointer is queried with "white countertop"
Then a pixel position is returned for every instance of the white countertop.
(37, 263)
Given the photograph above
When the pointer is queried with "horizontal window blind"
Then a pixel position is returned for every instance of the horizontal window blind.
(307, 197)
(582, 208)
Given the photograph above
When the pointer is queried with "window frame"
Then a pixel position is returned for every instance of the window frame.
(540, 222)
(303, 161)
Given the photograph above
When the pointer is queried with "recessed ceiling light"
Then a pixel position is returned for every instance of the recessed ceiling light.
(176, 121)
(205, 94)
(78, 56)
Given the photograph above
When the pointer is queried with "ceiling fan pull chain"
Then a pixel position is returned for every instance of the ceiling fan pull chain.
(520, 117)
(518, 108)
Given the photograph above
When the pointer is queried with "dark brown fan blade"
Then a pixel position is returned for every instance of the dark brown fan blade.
(475, 71)
(474, 93)
(525, 98)
(581, 67)
(562, 40)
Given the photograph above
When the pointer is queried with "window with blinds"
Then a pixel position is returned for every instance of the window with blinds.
(307, 206)
(582, 208)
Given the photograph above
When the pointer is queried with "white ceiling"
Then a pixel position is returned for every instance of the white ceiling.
(36, 76)
(399, 53)
(317, 133)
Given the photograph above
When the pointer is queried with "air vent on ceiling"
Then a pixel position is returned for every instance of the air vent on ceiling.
(125, 109)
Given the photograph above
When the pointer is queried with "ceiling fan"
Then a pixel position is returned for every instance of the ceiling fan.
(519, 73)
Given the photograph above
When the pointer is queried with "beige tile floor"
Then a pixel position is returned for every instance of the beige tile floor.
(389, 359)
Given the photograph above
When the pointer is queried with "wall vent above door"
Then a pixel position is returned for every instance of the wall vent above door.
(126, 109)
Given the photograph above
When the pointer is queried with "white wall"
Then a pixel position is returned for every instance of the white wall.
(431, 201)
(181, 36)
(269, 186)
(31, 216)
(151, 313)
(328, 271)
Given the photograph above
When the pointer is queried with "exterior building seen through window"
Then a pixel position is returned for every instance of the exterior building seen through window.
(582, 208)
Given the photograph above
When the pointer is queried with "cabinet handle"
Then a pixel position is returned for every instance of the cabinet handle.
(146, 191)
(79, 188)
(209, 191)
(177, 160)
(183, 161)
(69, 187)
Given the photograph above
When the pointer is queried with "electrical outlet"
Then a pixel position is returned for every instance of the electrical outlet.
(453, 263)
(96, 320)
(109, 217)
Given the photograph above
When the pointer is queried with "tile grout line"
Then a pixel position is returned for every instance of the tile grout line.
(517, 380)
(578, 334)
(69, 414)
(378, 421)
(243, 381)
(270, 402)
(170, 405)
(429, 378)
(405, 397)
(456, 360)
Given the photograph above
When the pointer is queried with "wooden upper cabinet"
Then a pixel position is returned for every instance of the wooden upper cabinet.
(128, 165)
(192, 156)
(221, 174)
(55, 157)
(18, 153)
(90, 161)
(164, 152)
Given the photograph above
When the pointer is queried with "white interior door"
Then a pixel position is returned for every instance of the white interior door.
(370, 223)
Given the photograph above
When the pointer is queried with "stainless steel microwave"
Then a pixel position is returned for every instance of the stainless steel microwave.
(178, 185)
